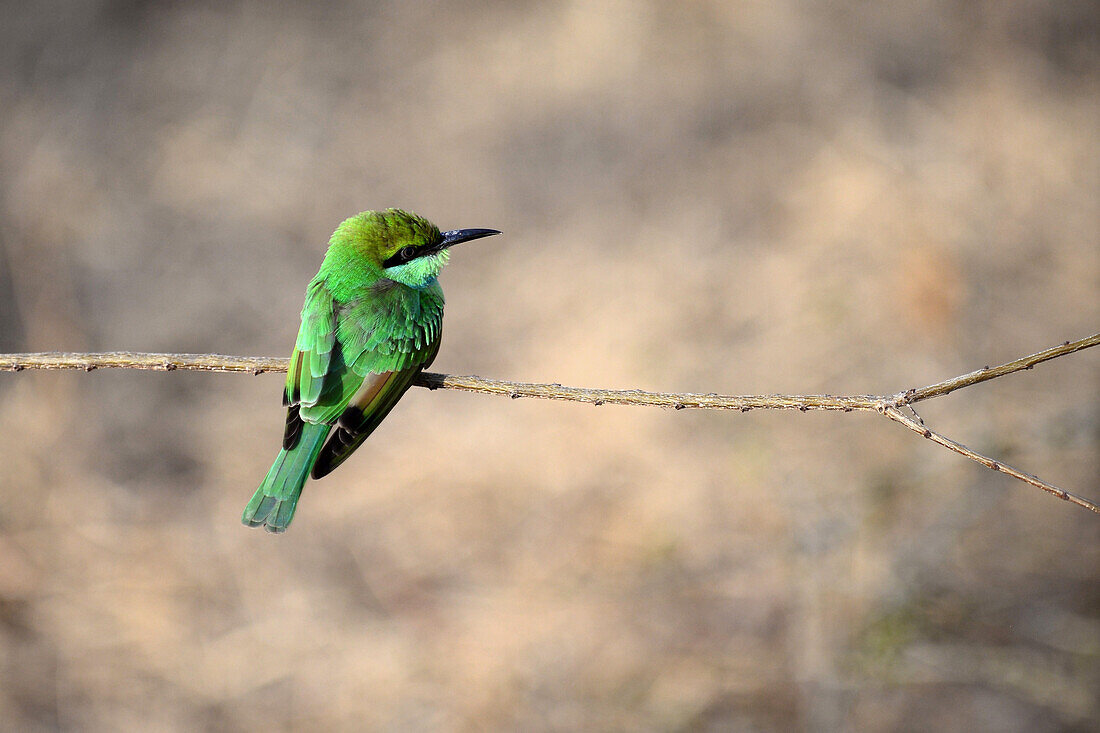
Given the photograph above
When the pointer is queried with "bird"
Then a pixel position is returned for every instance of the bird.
(372, 321)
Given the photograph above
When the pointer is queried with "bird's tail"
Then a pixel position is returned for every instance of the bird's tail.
(273, 504)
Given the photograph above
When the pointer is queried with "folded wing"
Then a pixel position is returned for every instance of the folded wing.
(383, 341)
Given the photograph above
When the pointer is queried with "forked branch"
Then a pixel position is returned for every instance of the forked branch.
(888, 405)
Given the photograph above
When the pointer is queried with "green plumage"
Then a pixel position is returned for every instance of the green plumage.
(372, 320)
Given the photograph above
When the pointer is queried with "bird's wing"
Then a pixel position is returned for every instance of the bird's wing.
(386, 339)
(367, 408)
(313, 350)
(311, 360)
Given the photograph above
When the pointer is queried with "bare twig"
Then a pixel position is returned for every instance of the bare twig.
(987, 373)
(887, 405)
(894, 414)
(674, 400)
(138, 360)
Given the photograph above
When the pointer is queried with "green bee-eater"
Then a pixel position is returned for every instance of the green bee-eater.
(371, 322)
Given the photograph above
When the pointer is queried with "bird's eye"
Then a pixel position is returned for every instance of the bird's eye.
(407, 253)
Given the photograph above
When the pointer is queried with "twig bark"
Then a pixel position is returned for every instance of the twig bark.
(894, 414)
(986, 373)
(138, 360)
(888, 405)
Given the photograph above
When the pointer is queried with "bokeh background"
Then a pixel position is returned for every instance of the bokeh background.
(700, 196)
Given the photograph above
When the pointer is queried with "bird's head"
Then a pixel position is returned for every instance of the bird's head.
(408, 248)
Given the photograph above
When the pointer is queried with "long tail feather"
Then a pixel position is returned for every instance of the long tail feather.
(273, 504)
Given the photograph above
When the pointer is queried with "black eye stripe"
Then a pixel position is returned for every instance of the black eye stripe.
(403, 255)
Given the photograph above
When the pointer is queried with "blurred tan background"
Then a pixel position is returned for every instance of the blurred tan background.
(699, 196)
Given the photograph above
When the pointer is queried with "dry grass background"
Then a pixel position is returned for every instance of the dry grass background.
(709, 196)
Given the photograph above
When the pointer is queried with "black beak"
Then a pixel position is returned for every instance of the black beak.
(457, 236)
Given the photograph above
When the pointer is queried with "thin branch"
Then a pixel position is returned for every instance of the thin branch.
(431, 380)
(261, 364)
(894, 414)
(887, 405)
(986, 373)
(674, 400)
(137, 360)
